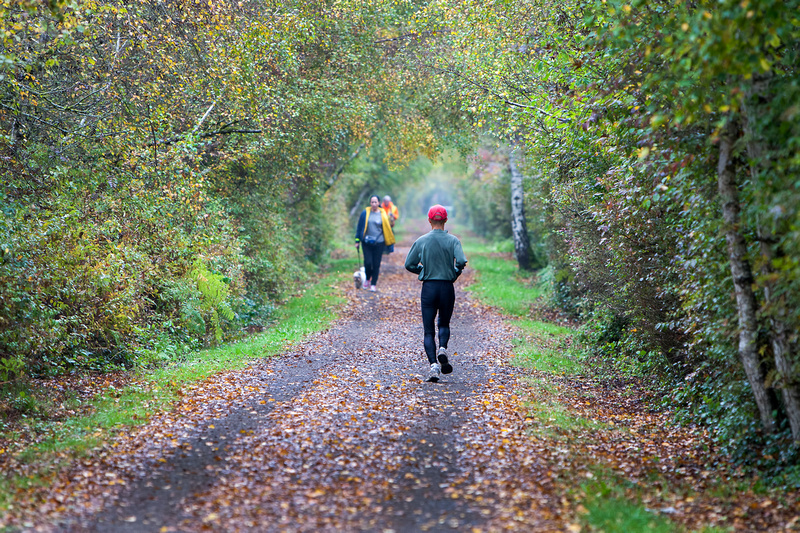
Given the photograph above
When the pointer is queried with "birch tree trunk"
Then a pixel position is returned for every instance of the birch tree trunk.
(742, 278)
(519, 228)
(782, 348)
(787, 380)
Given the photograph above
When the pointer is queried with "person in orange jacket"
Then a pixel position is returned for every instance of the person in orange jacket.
(393, 213)
(390, 209)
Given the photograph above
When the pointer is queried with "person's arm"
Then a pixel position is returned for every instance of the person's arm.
(460, 258)
(412, 260)
(360, 228)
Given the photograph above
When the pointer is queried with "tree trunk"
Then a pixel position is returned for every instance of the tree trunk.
(742, 278)
(519, 228)
(358, 205)
(782, 347)
(787, 381)
(338, 172)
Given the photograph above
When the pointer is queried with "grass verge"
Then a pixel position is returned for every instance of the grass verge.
(552, 351)
(606, 507)
(499, 283)
(157, 390)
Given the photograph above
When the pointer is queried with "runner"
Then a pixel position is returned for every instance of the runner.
(439, 259)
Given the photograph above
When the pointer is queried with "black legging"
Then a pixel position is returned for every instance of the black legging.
(437, 296)
(373, 253)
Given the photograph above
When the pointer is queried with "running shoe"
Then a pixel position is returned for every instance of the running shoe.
(433, 375)
(442, 357)
(372, 288)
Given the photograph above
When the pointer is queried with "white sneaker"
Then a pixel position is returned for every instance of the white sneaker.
(373, 288)
(446, 366)
(366, 285)
(435, 372)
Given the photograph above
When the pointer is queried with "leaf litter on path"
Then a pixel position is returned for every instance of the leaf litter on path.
(342, 433)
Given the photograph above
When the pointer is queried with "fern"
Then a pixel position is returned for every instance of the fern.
(215, 295)
(11, 368)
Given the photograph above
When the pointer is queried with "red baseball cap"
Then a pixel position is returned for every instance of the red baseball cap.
(437, 212)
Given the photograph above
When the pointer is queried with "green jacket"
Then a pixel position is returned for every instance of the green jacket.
(437, 255)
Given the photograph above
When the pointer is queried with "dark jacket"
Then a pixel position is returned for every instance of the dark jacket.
(437, 255)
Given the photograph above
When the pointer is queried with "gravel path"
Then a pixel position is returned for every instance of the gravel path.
(340, 434)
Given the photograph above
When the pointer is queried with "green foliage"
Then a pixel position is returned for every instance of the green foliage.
(608, 510)
(215, 294)
(11, 368)
(618, 106)
(88, 269)
(178, 192)
(487, 195)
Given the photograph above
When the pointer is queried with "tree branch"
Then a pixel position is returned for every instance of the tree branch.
(205, 115)
(335, 176)
(42, 121)
(205, 135)
(404, 36)
(488, 90)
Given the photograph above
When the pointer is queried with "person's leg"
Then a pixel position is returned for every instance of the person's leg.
(428, 300)
(369, 260)
(447, 300)
(376, 262)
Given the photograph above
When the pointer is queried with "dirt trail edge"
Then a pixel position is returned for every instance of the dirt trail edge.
(341, 433)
